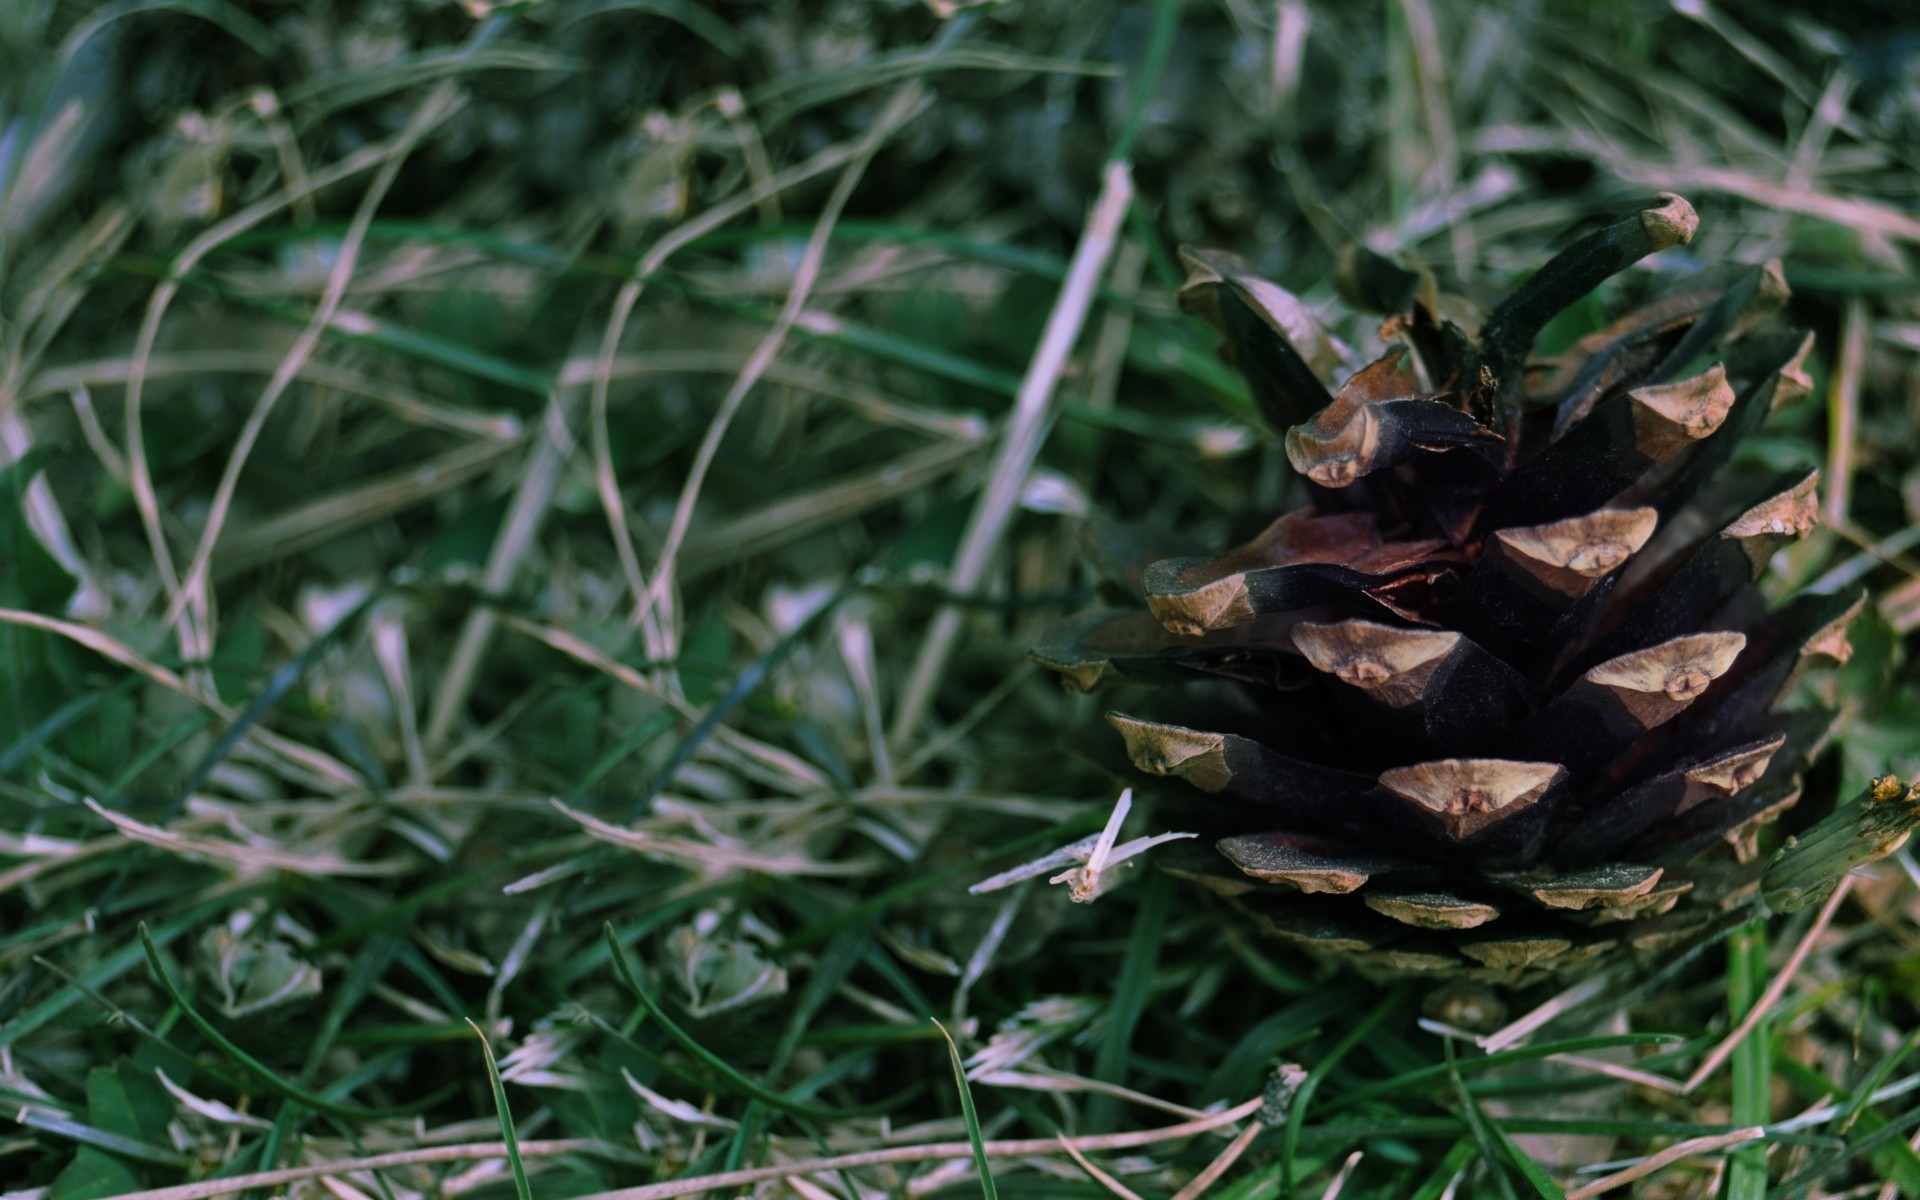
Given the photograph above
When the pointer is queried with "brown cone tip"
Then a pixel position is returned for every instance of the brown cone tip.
(1728, 774)
(1472, 794)
(1603, 887)
(1393, 663)
(1775, 521)
(1791, 514)
(1343, 441)
(1668, 417)
(1431, 910)
(1570, 556)
(1671, 222)
(1655, 684)
(1831, 640)
(1210, 270)
(1336, 447)
(1515, 953)
(1196, 756)
(1215, 604)
(1795, 382)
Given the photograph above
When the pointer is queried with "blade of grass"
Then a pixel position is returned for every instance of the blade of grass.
(970, 1115)
(58, 721)
(365, 329)
(514, 1164)
(1297, 1107)
(647, 731)
(254, 1066)
(1802, 1182)
(1166, 23)
(1478, 1125)
(716, 32)
(1130, 993)
(748, 682)
(106, 1140)
(278, 685)
(1439, 1071)
(719, 1066)
(1876, 1077)
(1752, 1073)
(107, 968)
(1446, 1174)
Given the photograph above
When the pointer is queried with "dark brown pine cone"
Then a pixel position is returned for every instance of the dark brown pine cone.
(1506, 697)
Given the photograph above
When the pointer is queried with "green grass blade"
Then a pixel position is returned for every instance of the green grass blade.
(1440, 1072)
(971, 1116)
(520, 1186)
(719, 1066)
(1752, 1073)
(1130, 994)
(647, 731)
(254, 1066)
(1477, 1124)
(1447, 1170)
(104, 971)
(1166, 22)
(745, 685)
(1297, 1109)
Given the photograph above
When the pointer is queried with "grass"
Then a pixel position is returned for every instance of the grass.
(415, 416)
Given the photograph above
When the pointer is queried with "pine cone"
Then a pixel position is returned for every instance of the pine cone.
(1503, 698)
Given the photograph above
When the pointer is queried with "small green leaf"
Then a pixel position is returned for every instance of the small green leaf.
(93, 1175)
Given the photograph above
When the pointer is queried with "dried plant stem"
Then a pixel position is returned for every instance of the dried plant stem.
(1520, 1030)
(1340, 1180)
(905, 103)
(516, 538)
(193, 591)
(410, 406)
(145, 498)
(1667, 1157)
(294, 761)
(932, 1153)
(1099, 1176)
(1867, 217)
(463, 1152)
(1218, 1167)
(334, 515)
(194, 584)
(1647, 1079)
(606, 481)
(1025, 431)
(1775, 989)
(1843, 410)
(801, 513)
(949, 737)
(938, 1151)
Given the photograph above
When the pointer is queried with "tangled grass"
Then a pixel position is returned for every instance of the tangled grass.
(522, 525)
